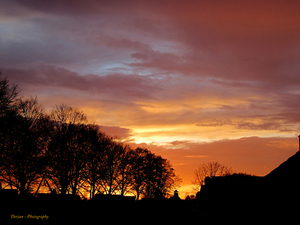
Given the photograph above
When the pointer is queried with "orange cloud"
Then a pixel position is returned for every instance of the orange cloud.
(186, 78)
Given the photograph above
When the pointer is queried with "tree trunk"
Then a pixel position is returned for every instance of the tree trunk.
(38, 188)
(92, 191)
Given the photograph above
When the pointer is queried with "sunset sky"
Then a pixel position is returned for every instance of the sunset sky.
(193, 81)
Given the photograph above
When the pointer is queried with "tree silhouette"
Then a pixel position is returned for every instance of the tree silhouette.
(153, 176)
(112, 160)
(59, 151)
(30, 109)
(139, 168)
(160, 177)
(67, 114)
(9, 96)
(125, 179)
(209, 169)
(21, 148)
(65, 153)
(94, 167)
(78, 158)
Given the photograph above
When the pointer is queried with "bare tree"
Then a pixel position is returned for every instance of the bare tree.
(61, 152)
(209, 169)
(161, 180)
(125, 179)
(31, 109)
(65, 151)
(153, 175)
(112, 159)
(9, 96)
(67, 114)
(95, 164)
(139, 167)
(79, 148)
(21, 148)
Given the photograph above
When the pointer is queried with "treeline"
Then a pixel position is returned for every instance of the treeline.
(61, 153)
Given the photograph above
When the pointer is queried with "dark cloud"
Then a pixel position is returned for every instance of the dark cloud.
(262, 126)
(51, 76)
(119, 43)
(212, 64)
(230, 41)
(215, 123)
(61, 7)
(114, 131)
(172, 72)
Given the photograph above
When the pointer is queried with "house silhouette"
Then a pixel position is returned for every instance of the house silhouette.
(278, 192)
(287, 172)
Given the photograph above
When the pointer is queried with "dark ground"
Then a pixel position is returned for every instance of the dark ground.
(164, 211)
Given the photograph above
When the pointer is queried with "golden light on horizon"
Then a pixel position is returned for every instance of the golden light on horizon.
(195, 133)
(193, 81)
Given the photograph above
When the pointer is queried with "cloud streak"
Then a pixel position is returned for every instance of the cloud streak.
(169, 74)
